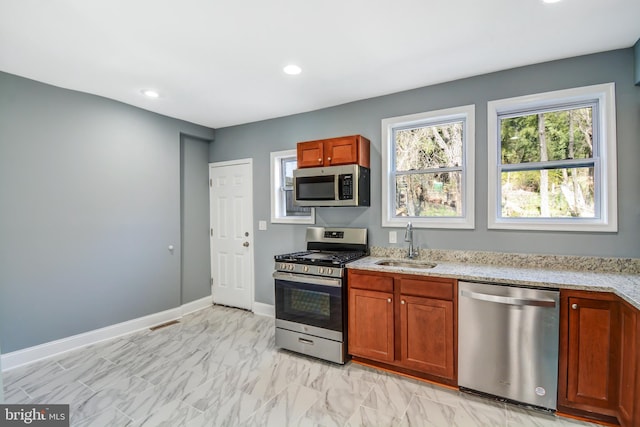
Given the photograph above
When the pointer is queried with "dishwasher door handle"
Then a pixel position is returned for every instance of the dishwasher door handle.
(508, 300)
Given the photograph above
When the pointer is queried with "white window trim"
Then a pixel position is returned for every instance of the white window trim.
(467, 221)
(277, 216)
(605, 95)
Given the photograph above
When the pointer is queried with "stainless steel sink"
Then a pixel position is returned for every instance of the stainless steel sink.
(406, 264)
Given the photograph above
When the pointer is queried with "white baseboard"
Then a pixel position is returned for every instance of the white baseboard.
(196, 305)
(264, 309)
(32, 354)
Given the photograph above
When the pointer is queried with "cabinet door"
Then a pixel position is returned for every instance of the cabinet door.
(593, 353)
(341, 151)
(371, 324)
(628, 366)
(427, 335)
(310, 154)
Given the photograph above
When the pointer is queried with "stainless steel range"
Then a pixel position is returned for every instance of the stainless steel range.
(311, 292)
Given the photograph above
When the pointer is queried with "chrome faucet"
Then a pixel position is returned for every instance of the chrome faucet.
(408, 237)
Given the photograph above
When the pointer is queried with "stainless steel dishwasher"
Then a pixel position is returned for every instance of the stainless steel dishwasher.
(508, 342)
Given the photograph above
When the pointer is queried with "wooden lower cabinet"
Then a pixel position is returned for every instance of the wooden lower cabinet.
(598, 367)
(592, 353)
(629, 391)
(426, 342)
(371, 331)
(406, 322)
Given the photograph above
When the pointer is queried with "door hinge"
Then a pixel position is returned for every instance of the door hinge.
(211, 232)
(211, 281)
(210, 182)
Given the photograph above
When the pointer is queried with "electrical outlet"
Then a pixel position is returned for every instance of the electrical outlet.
(393, 237)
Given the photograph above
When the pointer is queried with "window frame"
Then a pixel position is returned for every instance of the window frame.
(604, 157)
(278, 211)
(464, 113)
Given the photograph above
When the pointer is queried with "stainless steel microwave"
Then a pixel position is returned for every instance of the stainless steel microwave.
(347, 185)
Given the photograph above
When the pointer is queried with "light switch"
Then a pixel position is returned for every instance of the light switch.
(262, 225)
(393, 237)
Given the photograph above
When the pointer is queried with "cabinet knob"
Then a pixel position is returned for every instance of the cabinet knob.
(329, 159)
(388, 299)
(402, 302)
(574, 306)
(320, 160)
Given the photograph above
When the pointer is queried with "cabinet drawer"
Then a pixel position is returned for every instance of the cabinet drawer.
(371, 282)
(439, 289)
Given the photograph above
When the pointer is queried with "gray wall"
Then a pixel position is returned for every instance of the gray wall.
(258, 139)
(1, 385)
(636, 50)
(90, 201)
(196, 262)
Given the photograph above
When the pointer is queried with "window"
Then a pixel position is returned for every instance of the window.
(282, 208)
(427, 169)
(552, 161)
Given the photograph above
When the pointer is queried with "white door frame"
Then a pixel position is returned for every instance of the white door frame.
(250, 239)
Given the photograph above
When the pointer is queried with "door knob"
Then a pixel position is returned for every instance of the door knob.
(245, 244)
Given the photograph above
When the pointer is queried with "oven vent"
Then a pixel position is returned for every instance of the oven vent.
(163, 325)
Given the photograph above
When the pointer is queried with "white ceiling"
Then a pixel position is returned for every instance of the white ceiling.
(219, 63)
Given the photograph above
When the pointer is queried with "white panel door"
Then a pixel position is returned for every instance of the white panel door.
(231, 210)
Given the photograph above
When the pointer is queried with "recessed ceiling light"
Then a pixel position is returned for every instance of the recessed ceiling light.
(292, 69)
(150, 93)
(551, 1)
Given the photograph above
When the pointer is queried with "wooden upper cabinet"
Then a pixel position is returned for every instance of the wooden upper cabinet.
(590, 356)
(310, 154)
(343, 150)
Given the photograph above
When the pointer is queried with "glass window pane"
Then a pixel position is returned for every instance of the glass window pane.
(555, 193)
(432, 146)
(293, 210)
(288, 165)
(429, 195)
(554, 135)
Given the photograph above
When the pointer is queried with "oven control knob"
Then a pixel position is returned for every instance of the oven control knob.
(291, 267)
(320, 270)
(329, 270)
(305, 269)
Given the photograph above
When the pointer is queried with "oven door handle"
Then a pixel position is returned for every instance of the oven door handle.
(313, 280)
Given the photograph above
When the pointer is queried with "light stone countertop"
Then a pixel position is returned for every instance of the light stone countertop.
(627, 286)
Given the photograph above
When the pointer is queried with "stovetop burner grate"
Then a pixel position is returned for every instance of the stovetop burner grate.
(321, 257)
(329, 247)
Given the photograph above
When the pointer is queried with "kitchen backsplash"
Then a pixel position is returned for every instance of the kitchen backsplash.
(550, 262)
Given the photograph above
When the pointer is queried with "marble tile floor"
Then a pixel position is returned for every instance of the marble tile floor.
(220, 367)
